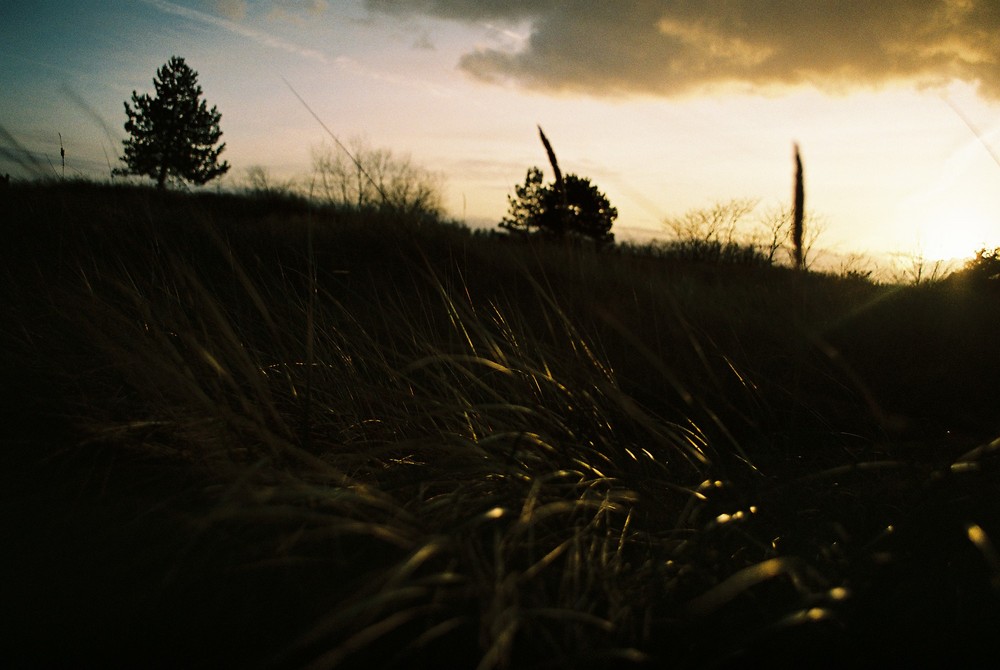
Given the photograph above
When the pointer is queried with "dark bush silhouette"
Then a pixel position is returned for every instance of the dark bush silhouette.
(985, 266)
(173, 134)
(580, 210)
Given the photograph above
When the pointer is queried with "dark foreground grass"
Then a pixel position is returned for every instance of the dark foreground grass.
(250, 433)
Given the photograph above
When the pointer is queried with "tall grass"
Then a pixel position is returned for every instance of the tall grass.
(435, 448)
(798, 209)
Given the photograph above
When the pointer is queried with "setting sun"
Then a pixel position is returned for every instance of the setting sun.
(950, 231)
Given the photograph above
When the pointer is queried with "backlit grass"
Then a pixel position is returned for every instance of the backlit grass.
(254, 432)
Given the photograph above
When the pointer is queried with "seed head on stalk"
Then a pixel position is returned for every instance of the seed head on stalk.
(560, 186)
(799, 211)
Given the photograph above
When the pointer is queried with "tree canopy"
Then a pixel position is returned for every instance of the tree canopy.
(173, 134)
(573, 208)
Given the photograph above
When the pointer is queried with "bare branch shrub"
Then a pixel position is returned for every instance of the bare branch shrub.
(259, 181)
(718, 223)
(774, 230)
(729, 231)
(857, 266)
(375, 179)
(917, 269)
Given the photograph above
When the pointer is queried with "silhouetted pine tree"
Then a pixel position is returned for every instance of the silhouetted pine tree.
(173, 134)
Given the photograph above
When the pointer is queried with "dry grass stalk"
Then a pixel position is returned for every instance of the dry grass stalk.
(552, 159)
(560, 185)
(799, 211)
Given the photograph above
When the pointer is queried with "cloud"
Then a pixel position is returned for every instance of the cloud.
(294, 9)
(423, 42)
(237, 28)
(234, 10)
(687, 46)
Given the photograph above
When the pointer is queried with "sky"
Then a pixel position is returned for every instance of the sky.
(667, 106)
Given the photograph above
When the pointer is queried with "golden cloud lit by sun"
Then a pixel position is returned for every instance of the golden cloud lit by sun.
(660, 48)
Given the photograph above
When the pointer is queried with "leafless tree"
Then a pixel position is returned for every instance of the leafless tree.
(375, 178)
(737, 223)
(260, 181)
(916, 269)
(773, 234)
(718, 223)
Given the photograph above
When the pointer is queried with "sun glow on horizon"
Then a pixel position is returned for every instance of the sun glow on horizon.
(948, 231)
(958, 212)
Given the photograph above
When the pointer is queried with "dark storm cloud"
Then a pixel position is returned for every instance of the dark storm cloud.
(672, 48)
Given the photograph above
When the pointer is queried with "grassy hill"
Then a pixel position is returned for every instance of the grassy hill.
(248, 431)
